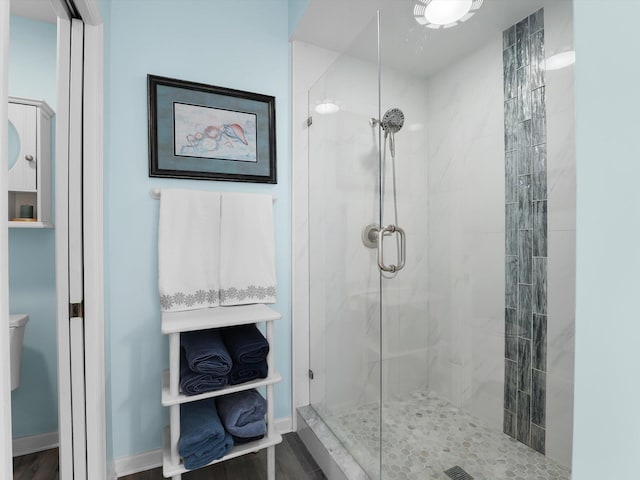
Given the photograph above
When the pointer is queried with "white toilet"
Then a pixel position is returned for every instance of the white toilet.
(17, 323)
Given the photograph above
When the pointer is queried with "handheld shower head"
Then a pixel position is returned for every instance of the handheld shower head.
(392, 120)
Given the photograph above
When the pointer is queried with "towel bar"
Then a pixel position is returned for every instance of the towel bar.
(155, 194)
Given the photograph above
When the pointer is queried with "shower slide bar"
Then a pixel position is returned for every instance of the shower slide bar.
(155, 194)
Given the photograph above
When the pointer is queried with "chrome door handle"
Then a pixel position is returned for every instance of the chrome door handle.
(388, 230)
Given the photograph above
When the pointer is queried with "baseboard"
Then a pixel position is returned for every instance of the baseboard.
(124, 466)
(34, 443)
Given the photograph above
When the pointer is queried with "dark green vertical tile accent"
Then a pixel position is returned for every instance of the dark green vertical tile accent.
(511, 347)
(524, 418)
(509, 423)
(524, 365)
(540, 285)
(522, 43)
(509, 37)
(538, 438)
(511, 229)
(524, 202)
(511, 277)
(524, 256)
(510, 176)
(511, 321)
(540, 229)
(537, 60)
(539, 179)
(509, 63)
(525, 160)
(539, 117)
(539, 353)
(510, 384)
(524, 311)
(524, 99)
(538, 397)
(510, 125)
(536, 21)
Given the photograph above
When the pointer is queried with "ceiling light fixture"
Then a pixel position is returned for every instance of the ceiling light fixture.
(560, 60)
(327, 107)
(444, 13)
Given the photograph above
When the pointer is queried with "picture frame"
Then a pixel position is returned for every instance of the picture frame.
(205, 132)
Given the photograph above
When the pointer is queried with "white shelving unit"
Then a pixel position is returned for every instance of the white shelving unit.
(29, 175)
(175, 323)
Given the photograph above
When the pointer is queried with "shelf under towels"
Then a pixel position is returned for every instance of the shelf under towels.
(217, 317)
(168, 399)
(171, 469)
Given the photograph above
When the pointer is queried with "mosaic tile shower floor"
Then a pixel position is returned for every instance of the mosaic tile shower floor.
(425, 435)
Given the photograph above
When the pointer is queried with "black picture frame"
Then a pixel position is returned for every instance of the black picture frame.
(205, 132)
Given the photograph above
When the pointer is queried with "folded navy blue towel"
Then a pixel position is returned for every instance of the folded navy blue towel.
(240, 440)
(245, 343)
(206, 352)
(194, 383)
(242, 413)
(245, 372)
(202, 436)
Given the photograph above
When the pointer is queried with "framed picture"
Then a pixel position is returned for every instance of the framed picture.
(205, 132)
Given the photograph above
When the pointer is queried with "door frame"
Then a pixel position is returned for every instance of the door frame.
(93, 228)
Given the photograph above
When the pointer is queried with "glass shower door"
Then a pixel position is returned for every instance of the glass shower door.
(344, 292)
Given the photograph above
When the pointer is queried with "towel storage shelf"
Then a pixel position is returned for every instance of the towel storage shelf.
(175, 323)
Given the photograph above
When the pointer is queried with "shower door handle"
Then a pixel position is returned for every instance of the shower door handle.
(388, 230)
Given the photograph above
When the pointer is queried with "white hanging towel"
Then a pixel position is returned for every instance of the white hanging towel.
(247, 249)
(189, 250)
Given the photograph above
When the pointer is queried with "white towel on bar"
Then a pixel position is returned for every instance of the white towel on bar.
(247, 249)
(189, 249)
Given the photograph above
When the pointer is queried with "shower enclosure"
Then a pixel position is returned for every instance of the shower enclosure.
(441, 244)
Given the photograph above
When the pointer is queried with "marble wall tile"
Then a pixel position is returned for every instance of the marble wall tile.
(509, 77)
(511, 229)
(524, 365)
(524, 257)
(511, 281)
(523, 134)
(523, 418)
(538, 116)
(537, 60)
(538, 438)
(540, 229)
(524, 98)
(510, 176)
(524, 311)
(509, 423)
(511, 385)
(540, 285)
(539, 350)
(539, 179)
(522, 43)
(524, 202)
(538, 397)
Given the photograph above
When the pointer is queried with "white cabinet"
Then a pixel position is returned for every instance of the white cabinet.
(29, 175)
(173, 324)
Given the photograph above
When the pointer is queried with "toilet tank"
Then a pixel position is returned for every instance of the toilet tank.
(17, 324)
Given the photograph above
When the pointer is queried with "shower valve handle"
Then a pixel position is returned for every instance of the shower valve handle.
(385, 231)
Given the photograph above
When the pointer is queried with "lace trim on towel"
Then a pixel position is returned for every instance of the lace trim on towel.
(213, 297)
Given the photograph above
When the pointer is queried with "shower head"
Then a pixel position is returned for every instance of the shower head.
(393, 120)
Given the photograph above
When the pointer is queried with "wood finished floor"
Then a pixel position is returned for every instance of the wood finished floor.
(293, 462)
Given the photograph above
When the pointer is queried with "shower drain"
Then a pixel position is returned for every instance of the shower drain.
(457, 473)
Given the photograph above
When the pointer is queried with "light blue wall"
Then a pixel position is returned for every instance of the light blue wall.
(607, 377)
(296, 9)
(32, 74)
(229, 43)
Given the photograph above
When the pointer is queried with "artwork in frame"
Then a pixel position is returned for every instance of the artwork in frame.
(206, 132)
